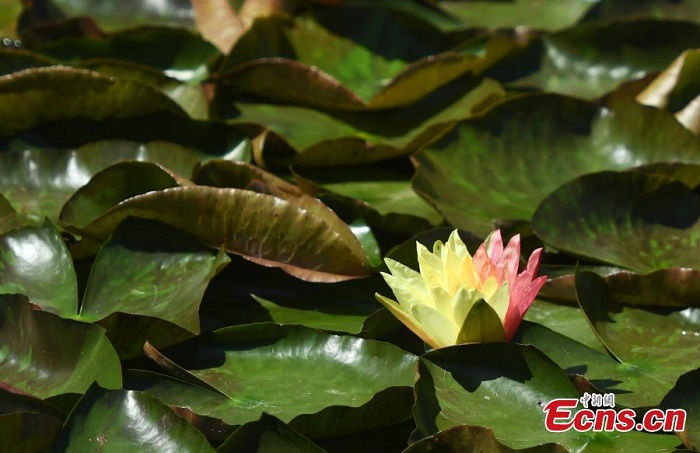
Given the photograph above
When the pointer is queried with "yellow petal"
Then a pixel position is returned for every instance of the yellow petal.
(430, 267)
(439, 330)
(410, 321)
(499, 301)
(462, 303)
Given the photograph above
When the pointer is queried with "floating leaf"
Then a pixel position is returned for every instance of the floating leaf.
(643, 222)
(268, 434)
(502, 164)
(131, 13)
(325, 139)
(251, 365)
(654, 346)
(543, 15)
(35, 262)
(32, 359)
(166, 272)
(39, 181)
(592, 59)
(676, 89)
(119, 420)
(684, 395)
(605, 10)
(39, 95)
(114, 184)
(178, 53)
(505, 386)
(472, 438)
(239, 220)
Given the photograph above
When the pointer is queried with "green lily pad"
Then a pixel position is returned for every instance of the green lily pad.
(38, 182)
(384, 187)
(676, 89)
(544, 15)
(254, 365)
(35, 262)
(658, 346)
(120, 420)
(8, 15)
(131, 13)
(367, 85)
(176, 52)
(323, 139)
(605, 10)
(114, 184)
(12, 60)
(472, 438)
(505, 386)
(32, 359)
(245, 293)
(650, 224)
(590, 60)
(166, 272)
(353, 65)
(40, 95)
(238, 219)
(28, 431)
(684, 395)
(565, 320)
(268, 434)
(502, 164)
(189, 96)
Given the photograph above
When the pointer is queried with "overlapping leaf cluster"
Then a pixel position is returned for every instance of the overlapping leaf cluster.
(197, 197)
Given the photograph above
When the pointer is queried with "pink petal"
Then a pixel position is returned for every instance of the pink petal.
(518, 307)
(494, 246)
(510, 259)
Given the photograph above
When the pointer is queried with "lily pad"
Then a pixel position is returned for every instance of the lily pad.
(176, 52)
(676, 89)
(502, 164)
(605, 10)
(119, 420)
(35, 262)
(12, 60)
(268, 434)
(238, 219)
(33, 361)
(40, 95)
(657, 345)
(167, 273)
(590, 60)
(28, 431)
(543, 15)
(505, 386)
(320, 139)
(353, 67)
(251, 366)
(650, 223)
(684, 395)
(38, 182)
(472, 438)
(131, 13)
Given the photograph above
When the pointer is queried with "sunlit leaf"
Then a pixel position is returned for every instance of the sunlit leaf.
(32, 359)
(119, 420)
(238, 219)
(38, 182)
(650, 223)
(251, 366)
(34, 261)
(39, 95)
(503, 164)
(166, 272)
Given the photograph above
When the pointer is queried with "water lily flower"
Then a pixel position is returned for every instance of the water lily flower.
(457, 298)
